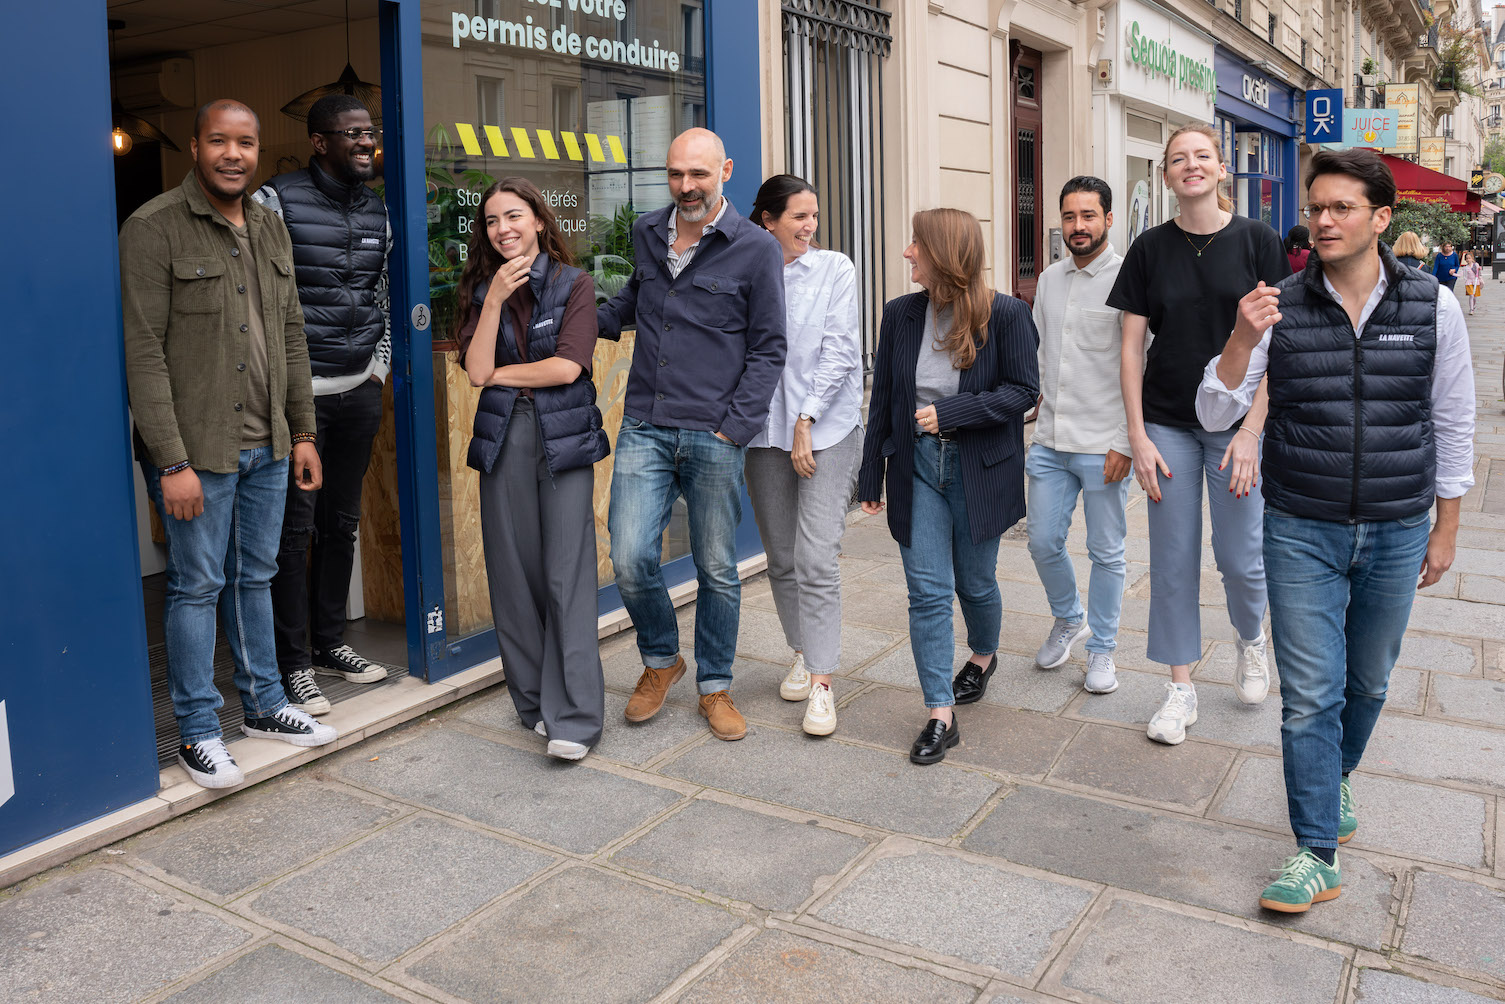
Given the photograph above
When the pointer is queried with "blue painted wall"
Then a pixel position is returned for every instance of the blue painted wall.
(73, 672)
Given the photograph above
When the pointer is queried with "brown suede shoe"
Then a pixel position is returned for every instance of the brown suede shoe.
(726, 721)
(653, 686)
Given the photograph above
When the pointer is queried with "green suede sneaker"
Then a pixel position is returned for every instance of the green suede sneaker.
(1347, 821)
(1304, 880)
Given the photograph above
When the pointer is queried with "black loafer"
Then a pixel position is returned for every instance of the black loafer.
(935, 738)
(972, 682)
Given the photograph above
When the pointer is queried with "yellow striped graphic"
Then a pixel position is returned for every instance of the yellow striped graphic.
(616, 149)
(570, 145)
(594, 145)
(546, 140)
(498, 145)
(524, 145)
(468, 139)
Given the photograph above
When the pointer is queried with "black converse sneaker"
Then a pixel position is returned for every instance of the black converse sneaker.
(291, 726)
(210, 764)
(304, 693)
(344, 662)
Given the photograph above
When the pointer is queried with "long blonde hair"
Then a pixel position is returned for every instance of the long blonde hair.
(1408, 245)
(950, 241)
(1224, 202)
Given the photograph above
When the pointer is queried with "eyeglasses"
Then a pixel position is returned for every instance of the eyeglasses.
(354, 135)
(1338, 210)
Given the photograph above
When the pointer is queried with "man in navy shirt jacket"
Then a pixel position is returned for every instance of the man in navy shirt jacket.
(707, 296)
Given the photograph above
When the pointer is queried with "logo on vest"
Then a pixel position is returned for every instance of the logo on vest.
(1396, 338)
(369, 240)
(549, 320)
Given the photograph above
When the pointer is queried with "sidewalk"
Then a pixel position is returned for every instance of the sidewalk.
(1057, 854)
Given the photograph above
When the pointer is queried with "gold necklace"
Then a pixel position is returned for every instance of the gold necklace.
(1204, 247)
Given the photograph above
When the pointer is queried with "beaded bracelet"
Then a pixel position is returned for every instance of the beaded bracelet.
(1249, 431)
(181, 465)
(304, 437)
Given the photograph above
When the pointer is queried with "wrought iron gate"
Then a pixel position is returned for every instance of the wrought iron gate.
(833, 87)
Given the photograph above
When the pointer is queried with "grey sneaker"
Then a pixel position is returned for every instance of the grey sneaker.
(1251, 680)
(540, 729)
(563, 749)
(1057, 647)
(1102, 675)
(1179, 711)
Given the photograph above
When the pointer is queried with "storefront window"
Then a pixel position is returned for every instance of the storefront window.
(581, 99)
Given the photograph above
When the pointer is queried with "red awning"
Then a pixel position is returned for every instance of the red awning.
(1420, 184)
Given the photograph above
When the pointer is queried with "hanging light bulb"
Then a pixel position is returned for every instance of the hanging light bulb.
(120, 141)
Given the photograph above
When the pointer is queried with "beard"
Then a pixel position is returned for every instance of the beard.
(1092, 246)
(707, 200)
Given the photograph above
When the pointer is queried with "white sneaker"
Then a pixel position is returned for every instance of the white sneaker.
(540, 729)
(566, 750)
(796, 686)
(1251, 681)
(1102, 675)
(210, 764)
(820, 712)
(1179, 710)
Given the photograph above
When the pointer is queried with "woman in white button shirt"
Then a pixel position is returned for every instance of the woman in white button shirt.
(802, 468)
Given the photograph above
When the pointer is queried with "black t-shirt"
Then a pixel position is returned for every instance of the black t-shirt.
(1191, 303)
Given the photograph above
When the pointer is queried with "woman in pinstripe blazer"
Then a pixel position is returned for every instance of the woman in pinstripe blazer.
(956, 373)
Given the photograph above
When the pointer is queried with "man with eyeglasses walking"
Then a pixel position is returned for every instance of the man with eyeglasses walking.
(341, 240)
(1371, 420)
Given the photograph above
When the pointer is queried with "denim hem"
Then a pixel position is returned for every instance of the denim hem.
(649, 661)
(822, 672)
(1326, 843)
(709, 687)
(948, 704)
(216, 734)
(266, 714)
(1102, 647)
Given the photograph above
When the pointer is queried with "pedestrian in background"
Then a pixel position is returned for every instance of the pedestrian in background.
(1081, 440)
(527, 333)
(1445, 265)
(1343, 552)
(955, 375)
(1298, 247)
(1182, 281)
(1473, 280)
(802, 467)
(1409, 250)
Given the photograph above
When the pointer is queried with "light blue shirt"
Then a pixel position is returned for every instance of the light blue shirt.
(823, 366)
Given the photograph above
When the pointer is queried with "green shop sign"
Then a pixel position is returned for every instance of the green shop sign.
(1161, 59)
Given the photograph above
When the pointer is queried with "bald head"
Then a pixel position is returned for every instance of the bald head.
(221, 105)
(698, 167)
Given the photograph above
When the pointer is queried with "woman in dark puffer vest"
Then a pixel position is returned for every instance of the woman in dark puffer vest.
(527, 332)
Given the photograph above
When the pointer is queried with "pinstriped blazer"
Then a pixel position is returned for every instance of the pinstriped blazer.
(987, 413)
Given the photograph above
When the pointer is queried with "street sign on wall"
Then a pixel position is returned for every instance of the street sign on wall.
(1324, 116)
(1371, 127)
(1402, 99)
(1433, 152)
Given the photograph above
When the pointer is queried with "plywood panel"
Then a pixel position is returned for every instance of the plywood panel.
(381, 531)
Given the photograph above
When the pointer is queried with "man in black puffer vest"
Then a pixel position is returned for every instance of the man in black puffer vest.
(341, 239)
(1371, 420)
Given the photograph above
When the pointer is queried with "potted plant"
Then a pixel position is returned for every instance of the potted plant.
(1367, 72)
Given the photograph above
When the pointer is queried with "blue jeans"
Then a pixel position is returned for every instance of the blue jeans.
(1340, 596)
(654, 466)
(226, 557)
(1055, 478)
(941, 559)
(1176, 545)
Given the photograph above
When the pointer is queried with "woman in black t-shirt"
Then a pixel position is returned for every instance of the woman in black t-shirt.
(1182, 282)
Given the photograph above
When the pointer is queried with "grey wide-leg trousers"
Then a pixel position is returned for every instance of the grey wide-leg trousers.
(540, 541)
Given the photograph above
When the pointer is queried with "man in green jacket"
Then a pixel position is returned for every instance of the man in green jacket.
(217, 370)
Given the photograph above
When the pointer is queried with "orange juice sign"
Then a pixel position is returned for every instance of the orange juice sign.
(1374, 127)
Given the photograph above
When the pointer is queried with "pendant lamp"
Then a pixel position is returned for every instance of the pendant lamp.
(127, 128)
(348, 83)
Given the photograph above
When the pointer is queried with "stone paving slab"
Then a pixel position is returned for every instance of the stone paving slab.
(1015, 742)
(1126, 762)
(1137, 953)
(1016, 683)
(1457, 923)
(1220, 715)
(100, 937)
(621, 740)
(580, 936)
(1437, 750)
(1195, 863)
(952, 906)
(1477, 700)
(273, 975)
(232, 845)
(1482, 588)
(755, 692)
(761, 636)
(384, 896)
(1401, 817)
(1379, 987)
(778, 967)
(1478, 620)
(568, 805)
(837, 779)
(1438, 654)
(777, 863)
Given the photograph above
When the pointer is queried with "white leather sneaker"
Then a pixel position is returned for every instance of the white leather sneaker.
(1251, 680)
(796, 686)
(1179, 710)
(820, 712)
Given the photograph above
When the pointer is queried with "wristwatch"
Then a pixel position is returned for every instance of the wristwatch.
(807, 418)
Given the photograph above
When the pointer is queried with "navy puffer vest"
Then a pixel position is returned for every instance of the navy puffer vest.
(567, 416)
(1349, 435)
(339, 236)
